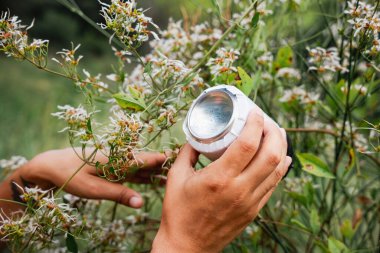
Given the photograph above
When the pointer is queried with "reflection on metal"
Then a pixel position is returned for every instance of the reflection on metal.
(216, 118)
(211, 116)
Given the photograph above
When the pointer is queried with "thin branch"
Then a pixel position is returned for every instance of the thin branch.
(217, 44)
(312, 130)
(76, 172)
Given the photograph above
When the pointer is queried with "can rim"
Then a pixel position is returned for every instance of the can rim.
(228, 126)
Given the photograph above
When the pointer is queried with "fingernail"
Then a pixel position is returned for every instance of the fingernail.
(135, 202)
(288, 161)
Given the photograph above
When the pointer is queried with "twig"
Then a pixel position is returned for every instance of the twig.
(312, 130)
(76, 172)
(217, 43)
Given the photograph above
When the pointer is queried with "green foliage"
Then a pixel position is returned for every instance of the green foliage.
(297, 63)
(71, 243)
(313, 165)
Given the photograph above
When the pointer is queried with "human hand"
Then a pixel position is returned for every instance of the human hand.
(53, 168)
(204, 210)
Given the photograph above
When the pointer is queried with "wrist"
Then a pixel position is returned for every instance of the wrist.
(164, 243)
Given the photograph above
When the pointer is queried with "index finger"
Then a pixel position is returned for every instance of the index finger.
(243, 149)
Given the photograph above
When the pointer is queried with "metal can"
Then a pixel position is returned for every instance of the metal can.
(216, 118)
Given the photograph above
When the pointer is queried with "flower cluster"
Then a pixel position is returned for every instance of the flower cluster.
(246, 21)
(78, 121)
(120, 140)
(300, 96)
(325, 60)
(127, 22)
(14, 40)
(13, 163)
(123, 131)
(289, 73)
(364, 19)
(223, 63)
(44, 216)
(68, 60)
(95, 81)
(176, 43)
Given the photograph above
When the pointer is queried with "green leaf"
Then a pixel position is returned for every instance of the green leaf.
(346, 229)
(284, 58)
(247, 84)
(299, 224)
(148, 68)
(299, 198)
(136, 94)
(126, 101)
(71, 243)
(255, 20)
(309, 193)
(216, 5)
(315, 223)
(89, 127)
(322, 247)
(336, 246)
(315, 166)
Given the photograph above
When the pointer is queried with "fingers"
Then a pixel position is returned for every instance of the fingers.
(149, 160)
(262, 192)
(98, 188)
(243, 149)
(270, 155)
(186, 160)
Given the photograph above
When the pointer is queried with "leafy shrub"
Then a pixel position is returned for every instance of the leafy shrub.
(312, 66)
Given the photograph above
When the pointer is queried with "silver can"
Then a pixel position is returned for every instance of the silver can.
(216, 118)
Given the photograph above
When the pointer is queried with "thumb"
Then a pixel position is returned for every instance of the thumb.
(116, 192)
(185, 161)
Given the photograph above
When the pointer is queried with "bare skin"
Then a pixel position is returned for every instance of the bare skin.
(52, 168)
(203, 210)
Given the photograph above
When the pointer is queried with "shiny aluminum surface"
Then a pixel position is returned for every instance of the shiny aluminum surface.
(215, 119)
(211, 116)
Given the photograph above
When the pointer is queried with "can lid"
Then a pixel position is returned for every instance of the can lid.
(216, 118)
(211, 115)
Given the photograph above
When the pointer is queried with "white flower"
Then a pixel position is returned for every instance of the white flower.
(265, 59)
(123, 131)
(94, 81)
(71, 114)
(375, 48)
(323, 60)
(128, 22)
(364, 19)
(68, 57)
(301, 95)
(174, 42)
(361, 89)
(289, 73)
(224, 61)
(14, 38)
(13, 163)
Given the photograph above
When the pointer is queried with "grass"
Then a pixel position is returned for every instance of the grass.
(28, 97)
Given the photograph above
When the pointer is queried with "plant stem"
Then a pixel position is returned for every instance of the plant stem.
(73, 7)
(220, 40)
(312, 130)
(76, 172)
(13, 202)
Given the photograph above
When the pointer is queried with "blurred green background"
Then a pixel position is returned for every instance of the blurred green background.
(28, 96)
